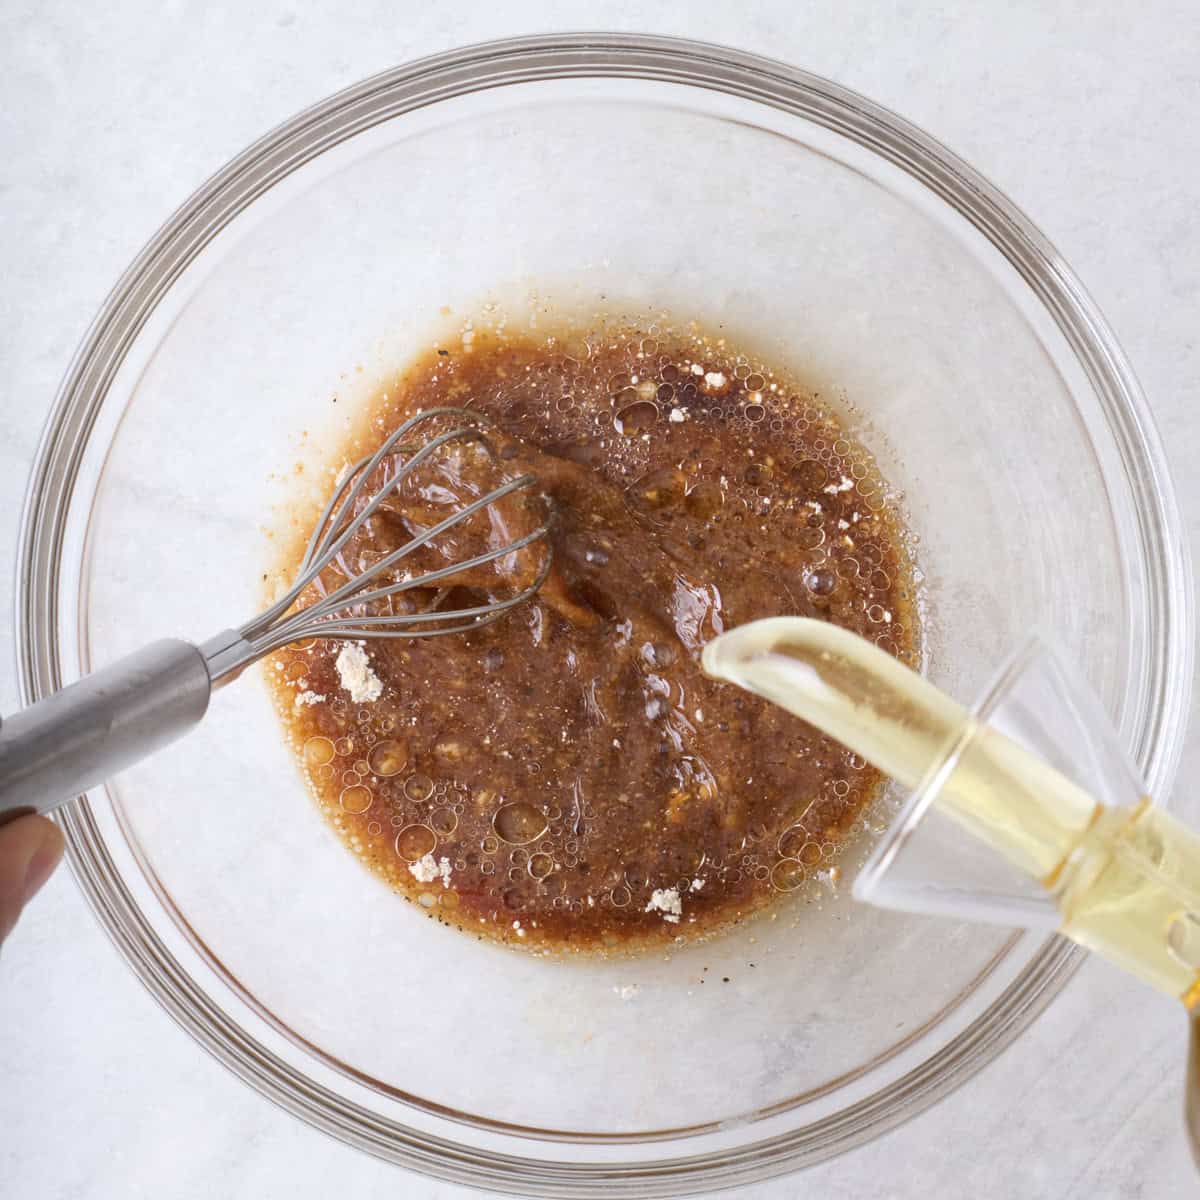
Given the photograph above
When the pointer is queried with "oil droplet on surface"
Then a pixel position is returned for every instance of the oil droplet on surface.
(318, 751)
(787, 875)
(388, 758)
(415, 841)
(418, 787)
(820, 583)
(444, 821)
(636, 418)
(357, 799)
(540, 865)
(519, 823)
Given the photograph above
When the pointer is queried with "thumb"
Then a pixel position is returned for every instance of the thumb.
(30, 848)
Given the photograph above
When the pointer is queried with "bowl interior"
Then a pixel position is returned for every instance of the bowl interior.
(571, 196)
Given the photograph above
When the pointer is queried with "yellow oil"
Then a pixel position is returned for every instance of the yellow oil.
(1126, 881)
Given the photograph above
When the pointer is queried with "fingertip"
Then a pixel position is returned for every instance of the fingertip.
(46, 856)
(30, 849)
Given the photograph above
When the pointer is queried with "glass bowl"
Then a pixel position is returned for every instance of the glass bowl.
(546, 173)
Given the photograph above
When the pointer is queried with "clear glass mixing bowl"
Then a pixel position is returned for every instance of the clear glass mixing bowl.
(841, 241)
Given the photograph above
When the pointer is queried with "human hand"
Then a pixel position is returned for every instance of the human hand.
(30, 848)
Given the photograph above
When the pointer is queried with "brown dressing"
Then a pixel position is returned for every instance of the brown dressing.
(568, 777)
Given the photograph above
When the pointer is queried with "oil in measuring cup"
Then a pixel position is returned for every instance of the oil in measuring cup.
(1122, 875)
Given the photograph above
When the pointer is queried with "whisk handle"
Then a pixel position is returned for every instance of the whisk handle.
(77, 738)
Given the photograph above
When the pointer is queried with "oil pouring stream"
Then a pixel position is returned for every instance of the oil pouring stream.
(1125, 880)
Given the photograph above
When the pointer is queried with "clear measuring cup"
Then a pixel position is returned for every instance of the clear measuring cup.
(1023, 810)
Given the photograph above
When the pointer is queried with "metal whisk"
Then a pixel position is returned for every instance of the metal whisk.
(80, 736)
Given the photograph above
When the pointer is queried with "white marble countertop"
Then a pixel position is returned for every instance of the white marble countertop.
(1085, 113)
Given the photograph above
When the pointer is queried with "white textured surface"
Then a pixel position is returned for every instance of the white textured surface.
(110, 115)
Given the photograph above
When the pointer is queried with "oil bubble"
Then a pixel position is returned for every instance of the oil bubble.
(820, 583)
(318, 751)
(356, 799)
(415, 841)
(443, 821)
(790, 841)
(388, 758)
(637, 418)
(519, 823)
(418, 788)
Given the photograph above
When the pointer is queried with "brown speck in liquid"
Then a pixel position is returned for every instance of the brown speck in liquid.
(572, 758)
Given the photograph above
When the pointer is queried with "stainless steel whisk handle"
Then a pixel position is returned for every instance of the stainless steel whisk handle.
(79, 737)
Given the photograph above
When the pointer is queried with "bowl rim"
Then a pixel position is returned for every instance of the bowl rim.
(1157, 742)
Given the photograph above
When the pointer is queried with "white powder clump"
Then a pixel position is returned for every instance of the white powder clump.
(697, 884)
(667, 902)
(308, 698)
(425, 869)
(354, 670)
(678, 416)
